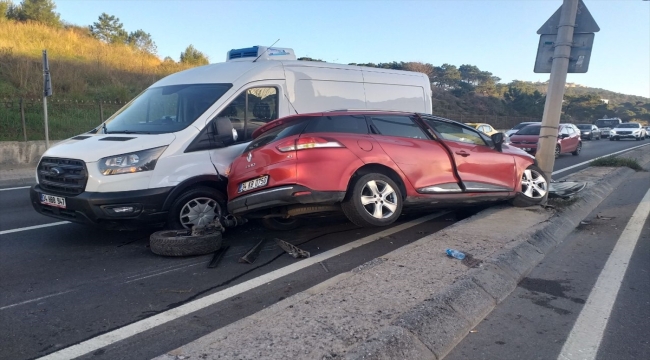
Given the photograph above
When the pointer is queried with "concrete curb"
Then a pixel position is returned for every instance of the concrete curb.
(440, 323)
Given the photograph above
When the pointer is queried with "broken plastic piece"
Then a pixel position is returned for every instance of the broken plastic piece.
(252, 254)
(209, 228)
(292, 249)
(218, 255)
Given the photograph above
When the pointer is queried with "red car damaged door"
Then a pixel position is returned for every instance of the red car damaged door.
(481, 168)
(424, 162)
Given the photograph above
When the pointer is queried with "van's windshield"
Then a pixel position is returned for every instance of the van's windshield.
(164, 109)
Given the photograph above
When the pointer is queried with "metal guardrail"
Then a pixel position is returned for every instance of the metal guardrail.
(22, 119)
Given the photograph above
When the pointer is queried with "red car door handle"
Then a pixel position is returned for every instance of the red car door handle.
(462, 153)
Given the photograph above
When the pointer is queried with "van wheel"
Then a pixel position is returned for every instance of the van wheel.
(375, 200)
(181, 243)
(534, 188)
(281, 224)
(197, 206)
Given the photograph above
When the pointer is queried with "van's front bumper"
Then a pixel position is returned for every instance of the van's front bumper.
(95, 208)
(282, 196)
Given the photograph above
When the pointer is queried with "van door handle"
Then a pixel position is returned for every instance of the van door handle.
(462, 153)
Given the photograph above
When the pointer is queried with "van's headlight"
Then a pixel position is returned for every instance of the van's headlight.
(144, 160)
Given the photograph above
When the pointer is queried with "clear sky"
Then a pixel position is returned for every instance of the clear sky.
(496, 35)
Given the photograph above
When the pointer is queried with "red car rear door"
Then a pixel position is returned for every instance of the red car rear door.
(424, 162)
(480, 167)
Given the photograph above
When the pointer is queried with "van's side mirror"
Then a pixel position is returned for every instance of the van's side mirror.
(498, 140)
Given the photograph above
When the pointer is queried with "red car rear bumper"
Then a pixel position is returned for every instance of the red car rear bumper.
(282, 196)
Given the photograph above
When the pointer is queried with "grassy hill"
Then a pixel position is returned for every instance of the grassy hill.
(82, 67)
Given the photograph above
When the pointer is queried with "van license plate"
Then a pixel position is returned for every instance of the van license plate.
(253, 184)
(52, 200)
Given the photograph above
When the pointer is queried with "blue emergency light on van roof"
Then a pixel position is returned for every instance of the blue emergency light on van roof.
(243, 53)
(262, 53)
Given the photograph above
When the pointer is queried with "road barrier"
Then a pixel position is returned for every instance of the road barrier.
(22, 119)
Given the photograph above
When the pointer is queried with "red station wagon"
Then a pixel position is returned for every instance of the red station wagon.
(568, 139)
(369, 164)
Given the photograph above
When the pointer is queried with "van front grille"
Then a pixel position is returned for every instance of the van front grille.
(62, 176)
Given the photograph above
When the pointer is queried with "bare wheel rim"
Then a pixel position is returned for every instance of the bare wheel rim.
(533, 184)
(199, 212)
(379, 199)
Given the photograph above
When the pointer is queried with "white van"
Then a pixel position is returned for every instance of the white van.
(606, 125)
(162, 158)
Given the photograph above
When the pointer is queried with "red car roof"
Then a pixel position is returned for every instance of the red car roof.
(270, 125)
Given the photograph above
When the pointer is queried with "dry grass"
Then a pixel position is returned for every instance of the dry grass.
(81, 66)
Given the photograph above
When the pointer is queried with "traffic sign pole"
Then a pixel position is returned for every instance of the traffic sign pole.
(47, 91)
(553, 106)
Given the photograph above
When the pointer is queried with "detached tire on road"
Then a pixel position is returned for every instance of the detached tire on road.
(534, 188)
(374, 200)
(181, 243)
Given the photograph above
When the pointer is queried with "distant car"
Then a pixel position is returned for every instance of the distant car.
(371, 163)
(568, 140)
(520, 126)
(485, 128)
(647, 132)
(628, 131)
(590, 132)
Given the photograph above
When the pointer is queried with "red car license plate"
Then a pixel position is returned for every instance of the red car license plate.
(253, 184)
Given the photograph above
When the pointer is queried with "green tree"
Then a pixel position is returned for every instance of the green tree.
(142, 41)
(35, 10)
(192, 56)
(5, 5)
(450, 75)
(307, 58)
(109, 29)
(469, 74)
(523, 97)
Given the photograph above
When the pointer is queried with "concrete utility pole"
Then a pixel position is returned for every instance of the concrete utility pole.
(553, 106)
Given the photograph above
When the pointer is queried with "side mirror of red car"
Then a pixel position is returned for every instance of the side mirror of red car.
(498, 140)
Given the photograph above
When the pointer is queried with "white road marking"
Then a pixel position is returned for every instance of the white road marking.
(585, 337)
(600, 157)
(164, 272)
(185, 309)
(15, 188)
(33, 227)
(33, 300)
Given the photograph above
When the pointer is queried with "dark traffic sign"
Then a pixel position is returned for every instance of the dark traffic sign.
(585, 23)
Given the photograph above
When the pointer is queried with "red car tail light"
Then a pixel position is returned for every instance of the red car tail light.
(310, 142)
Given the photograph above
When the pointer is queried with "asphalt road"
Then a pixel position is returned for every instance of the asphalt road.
(536, 320)
(66, 283)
